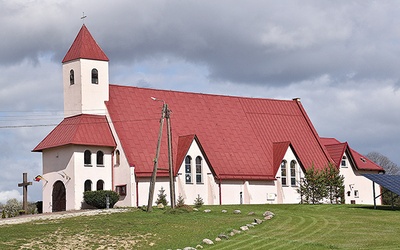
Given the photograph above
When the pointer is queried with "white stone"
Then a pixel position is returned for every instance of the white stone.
(208, 242)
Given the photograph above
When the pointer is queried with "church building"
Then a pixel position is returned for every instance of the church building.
(225, 149)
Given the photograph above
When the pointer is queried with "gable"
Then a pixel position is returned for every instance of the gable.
(236, 133)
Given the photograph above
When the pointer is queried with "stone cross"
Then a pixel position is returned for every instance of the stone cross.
(25, 183)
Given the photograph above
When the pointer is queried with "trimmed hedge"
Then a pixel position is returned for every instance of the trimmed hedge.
(98, 198)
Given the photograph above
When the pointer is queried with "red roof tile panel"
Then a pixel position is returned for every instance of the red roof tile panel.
(236, 133)
(79, 130)
(85, 47)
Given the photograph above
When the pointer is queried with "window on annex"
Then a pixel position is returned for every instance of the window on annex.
(121, 190)
(293, 173)
(199, 178)
(188, 169)
(88, 185)
(356, 194)
(100, 185)
(284, 173)
(95, 76)
(117, 157)
(343, 164)
(71, 77)
(87, 158)
(100, 158)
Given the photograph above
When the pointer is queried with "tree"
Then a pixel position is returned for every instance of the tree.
(312, 189)
(334, 184)
(162, 198)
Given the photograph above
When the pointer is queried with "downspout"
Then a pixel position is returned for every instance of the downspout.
(137, 193)
(220, 191)
(112, 171)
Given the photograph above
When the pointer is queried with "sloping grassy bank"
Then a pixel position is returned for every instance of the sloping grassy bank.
(293, 227)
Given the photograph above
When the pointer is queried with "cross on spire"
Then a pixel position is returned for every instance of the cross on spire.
(83, 17)
(25, 183)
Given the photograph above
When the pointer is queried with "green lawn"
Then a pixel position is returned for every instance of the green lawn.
(293, 227)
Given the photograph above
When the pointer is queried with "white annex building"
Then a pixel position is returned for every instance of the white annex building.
(228, 150)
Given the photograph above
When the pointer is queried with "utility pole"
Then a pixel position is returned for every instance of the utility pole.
(170, 163)
(154, 174)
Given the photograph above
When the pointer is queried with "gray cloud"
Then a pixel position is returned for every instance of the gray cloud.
(340, 57)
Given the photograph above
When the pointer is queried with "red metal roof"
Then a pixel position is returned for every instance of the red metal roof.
(237, 134)
(85, 47)
(79, 130)
(337, 149)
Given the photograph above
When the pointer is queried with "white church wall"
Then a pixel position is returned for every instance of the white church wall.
(143, 190)
(287, 192)
(205, 187)
(358, 189)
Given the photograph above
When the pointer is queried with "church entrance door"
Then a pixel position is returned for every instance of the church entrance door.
(59, 199)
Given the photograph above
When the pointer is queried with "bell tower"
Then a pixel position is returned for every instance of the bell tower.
(85, 77)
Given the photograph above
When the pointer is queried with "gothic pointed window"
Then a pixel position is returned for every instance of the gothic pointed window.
(199, 178)
(293, 173)
(71, 77)
(95, 76)
(188, 169)
(117, 157)
(87, 158)
(100, 158)
(284, 173)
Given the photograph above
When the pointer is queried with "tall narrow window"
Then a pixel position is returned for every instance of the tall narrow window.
(87, 157)
(199, 178)
(100, 160)
(283, 173)
(100, 185)
(293, 173)
(117, 158)
(88, 185)
(344, 158)
(95, 76)
(188, 169)
(71, 77)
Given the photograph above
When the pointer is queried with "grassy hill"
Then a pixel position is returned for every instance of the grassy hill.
(293, 227)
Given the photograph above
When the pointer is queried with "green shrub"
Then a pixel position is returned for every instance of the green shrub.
(162, 198)
(198, 202)
(98, 198)
(180, 202)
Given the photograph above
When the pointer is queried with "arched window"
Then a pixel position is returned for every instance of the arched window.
(293, 173)
(100, 185)
(283, 173)
(71, 77)
(117, 158)
(344, 158)
(199, 178)
(99, 158)
(88, 157)
(88, 185)
(95, 76)
(188, 169)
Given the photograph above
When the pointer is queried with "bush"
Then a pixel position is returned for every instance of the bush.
(198, 202)
(12, 207)
(180, 202)
(162, 198)
(97, 198)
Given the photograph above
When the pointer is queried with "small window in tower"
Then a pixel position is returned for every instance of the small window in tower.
(95, 76)
(71, 77)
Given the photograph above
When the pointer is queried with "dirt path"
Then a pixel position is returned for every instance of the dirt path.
(57, 215)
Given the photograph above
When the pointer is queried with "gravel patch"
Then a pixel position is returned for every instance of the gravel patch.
(58, 215)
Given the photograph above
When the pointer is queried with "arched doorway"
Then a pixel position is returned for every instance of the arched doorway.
(59, 200)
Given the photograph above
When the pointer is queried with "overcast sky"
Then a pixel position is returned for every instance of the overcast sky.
(342, 58)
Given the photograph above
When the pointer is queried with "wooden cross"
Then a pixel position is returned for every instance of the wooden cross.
(25, 183)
